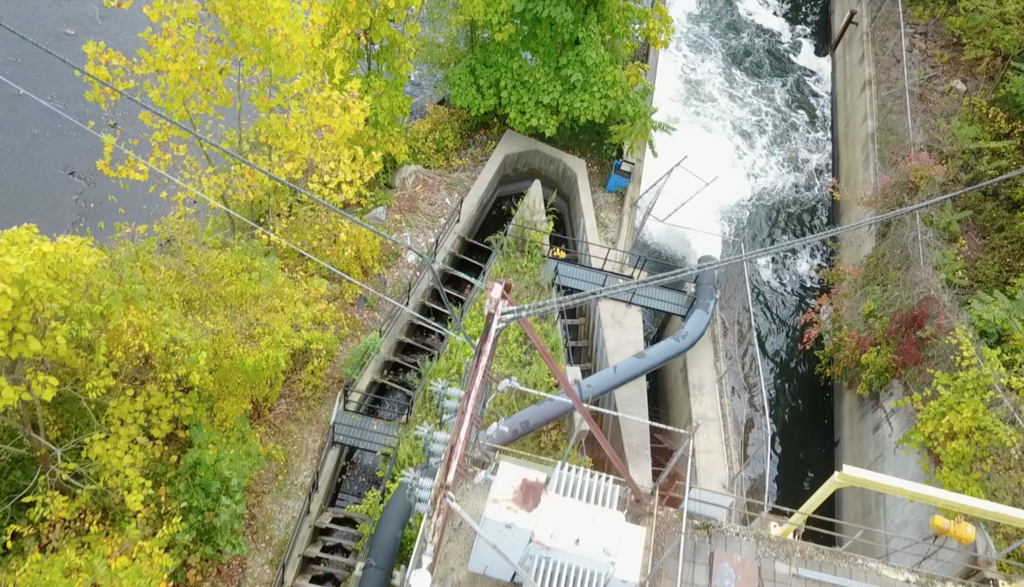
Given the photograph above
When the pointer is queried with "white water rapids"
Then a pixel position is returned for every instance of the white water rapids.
(750, 102)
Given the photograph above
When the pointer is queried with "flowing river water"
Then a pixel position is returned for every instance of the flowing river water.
(747, 87)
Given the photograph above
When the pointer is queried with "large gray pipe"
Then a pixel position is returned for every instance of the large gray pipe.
(615, 376)
(387, 536)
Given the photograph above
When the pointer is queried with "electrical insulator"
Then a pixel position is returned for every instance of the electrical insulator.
(420, 489)
(435, 442)
(448, 400)
(958, 529)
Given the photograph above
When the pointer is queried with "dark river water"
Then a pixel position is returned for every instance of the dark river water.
(48, 173)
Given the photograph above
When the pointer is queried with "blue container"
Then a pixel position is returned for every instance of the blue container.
(618, 179)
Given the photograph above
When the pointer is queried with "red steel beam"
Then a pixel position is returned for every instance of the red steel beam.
(463, 425)
(567, 387)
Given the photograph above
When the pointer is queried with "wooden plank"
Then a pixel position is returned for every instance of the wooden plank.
(340, 573)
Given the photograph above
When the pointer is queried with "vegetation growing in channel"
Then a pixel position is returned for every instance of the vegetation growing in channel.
(520, 262)
(134, 379)
(938, 309)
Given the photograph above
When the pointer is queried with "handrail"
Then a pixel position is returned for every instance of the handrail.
(306, 504)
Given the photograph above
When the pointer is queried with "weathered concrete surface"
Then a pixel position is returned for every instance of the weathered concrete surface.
(712, 462)
(515, 154)
(867, 431)
(627, 224)
(618, 333)
(532, 214)
(688, 389)
(673, 388)
(855, 126)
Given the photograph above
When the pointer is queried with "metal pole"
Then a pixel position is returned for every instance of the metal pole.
(657, 566)
(463, 424)
(688, 200)
(672, 462)
(520, 572)
(660, 182)
(567, 387)
(760, 372)
(686, 511)
(842, 30)
(852, 540)
(654, 528)
(906, 77)
(920, 246)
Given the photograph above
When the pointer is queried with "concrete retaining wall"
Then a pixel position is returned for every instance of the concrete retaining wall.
(515, 155)
(689, 392)
(867, 431)
(616, 328)
(617, 332)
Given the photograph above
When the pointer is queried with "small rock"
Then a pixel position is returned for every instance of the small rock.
(377, 216)
(69, 32)
(959, 86)
(406, 174)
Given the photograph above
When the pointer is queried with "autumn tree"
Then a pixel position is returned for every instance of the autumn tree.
(311, 91)
(546, 66)
(49, 316)
(128, 375)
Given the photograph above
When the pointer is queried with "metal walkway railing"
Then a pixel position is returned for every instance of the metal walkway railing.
(580, 278)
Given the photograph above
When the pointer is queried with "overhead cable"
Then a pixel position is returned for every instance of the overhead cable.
(559, 303)
(428, 262)
(426, 321)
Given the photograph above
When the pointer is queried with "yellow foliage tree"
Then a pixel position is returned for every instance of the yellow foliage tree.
(310, 91)
(49, 315)
(68, 545)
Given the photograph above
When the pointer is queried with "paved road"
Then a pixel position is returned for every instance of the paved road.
(48, 172)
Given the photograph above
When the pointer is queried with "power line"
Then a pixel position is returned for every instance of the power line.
(559, 303)
(426, 322)
(245, 161)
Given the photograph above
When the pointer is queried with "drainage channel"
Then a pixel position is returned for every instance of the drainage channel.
(331, 555)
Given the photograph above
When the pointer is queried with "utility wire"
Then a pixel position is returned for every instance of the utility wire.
(558, 303)
(426, 322)
(245, 161)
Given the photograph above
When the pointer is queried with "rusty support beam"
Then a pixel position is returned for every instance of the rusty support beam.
(567, 387)
(842, 30)
(497, 292)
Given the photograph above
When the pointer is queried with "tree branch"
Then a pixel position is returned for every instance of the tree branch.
(30, 433)
(14, 449)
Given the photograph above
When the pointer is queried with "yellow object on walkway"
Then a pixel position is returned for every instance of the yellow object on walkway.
(854, 477)
(958, 529)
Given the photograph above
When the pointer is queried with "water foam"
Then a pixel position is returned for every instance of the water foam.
(749, 102)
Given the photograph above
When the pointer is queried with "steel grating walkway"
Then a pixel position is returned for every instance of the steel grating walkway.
(580, 278)
(363, 432)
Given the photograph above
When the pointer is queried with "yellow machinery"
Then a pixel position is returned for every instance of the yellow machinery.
(958, 529)
(854, 477)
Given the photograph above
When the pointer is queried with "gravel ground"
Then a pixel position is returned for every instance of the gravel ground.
(607, 206)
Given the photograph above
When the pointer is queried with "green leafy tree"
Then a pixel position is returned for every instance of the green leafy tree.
(988, 29)
(547, 65)
(211, 487)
